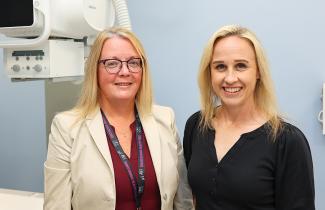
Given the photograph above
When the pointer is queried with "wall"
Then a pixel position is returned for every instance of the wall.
(174, 33)
(22, 133)
(27, 110)
(292, 32)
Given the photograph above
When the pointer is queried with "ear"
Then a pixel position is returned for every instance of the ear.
(258, 74)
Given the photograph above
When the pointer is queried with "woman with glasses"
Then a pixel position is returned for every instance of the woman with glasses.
(241, 155)
(115, 149)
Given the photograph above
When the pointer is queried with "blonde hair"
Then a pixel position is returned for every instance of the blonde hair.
(89, 98)
(264, 96)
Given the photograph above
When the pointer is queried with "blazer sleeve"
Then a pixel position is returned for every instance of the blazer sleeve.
(57, 173)
(294, 178)
(183, 199)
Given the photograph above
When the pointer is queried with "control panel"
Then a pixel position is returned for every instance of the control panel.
(27, 62)
(55, 58)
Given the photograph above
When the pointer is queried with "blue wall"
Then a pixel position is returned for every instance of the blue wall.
(174, 34)
(22, 133)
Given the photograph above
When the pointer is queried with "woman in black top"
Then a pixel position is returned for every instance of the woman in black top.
(240, 154)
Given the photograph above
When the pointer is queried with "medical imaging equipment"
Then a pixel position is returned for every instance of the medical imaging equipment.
(50, 38)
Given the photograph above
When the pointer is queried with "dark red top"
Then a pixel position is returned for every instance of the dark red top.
(124, 194)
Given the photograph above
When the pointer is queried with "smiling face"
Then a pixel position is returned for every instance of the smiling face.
(234, 71)
(120, 87)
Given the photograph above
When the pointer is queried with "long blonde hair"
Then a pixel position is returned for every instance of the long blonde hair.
(264, 92)
(89, 98)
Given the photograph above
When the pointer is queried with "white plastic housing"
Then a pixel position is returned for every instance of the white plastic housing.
(52, 59)
(69, 18)
(80, 18)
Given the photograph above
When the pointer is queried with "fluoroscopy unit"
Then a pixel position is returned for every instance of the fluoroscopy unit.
(48, 38)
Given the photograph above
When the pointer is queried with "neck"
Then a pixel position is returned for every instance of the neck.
(245, 114)
(118, 113)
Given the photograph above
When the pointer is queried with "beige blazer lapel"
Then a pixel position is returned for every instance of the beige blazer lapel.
(152, 135)
(97, 131)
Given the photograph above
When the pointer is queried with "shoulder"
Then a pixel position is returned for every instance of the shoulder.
(157, 109)
(193, 119)
(163, 113)
(66, 117)
(291, 137)
(66, 120)
(289, 129)
(65, 126)
(195, 116)
(191, 125)
(289, 132)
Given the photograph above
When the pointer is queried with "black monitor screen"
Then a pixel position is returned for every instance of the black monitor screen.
(14, 13)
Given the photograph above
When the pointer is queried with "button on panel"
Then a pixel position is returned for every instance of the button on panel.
(37, 68)
(16, 68)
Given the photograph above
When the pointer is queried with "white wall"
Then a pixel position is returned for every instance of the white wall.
(174, 33)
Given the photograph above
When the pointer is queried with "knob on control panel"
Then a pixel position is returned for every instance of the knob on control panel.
(16, 68)
(37, 68)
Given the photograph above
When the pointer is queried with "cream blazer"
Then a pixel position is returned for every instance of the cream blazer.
(79, 172)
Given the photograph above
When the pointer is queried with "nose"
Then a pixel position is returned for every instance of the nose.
(231, 77)
(124, 69)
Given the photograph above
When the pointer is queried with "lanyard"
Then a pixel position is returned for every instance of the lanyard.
(137, 186)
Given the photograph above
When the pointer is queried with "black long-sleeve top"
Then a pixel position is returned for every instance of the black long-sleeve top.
(255, 174)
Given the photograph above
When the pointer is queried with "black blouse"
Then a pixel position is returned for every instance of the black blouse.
(256, 173)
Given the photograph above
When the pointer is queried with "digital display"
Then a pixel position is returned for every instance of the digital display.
(15, 13)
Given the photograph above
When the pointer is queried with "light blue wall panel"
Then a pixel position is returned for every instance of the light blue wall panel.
(22, 134)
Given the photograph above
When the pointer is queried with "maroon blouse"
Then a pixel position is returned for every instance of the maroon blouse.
(124, 195)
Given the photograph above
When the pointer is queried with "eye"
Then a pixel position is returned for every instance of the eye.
(220, 67)
(136, 62)
(111, 63)
(241, 66)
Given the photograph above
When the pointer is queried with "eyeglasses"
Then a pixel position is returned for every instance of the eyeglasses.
(113, 66)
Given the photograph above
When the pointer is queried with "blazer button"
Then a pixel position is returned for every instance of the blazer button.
(165, 196)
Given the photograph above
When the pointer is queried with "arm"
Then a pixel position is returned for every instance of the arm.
(294, 179)
(187, 141)
(58, 190)
(190, 125)
(183, 198)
